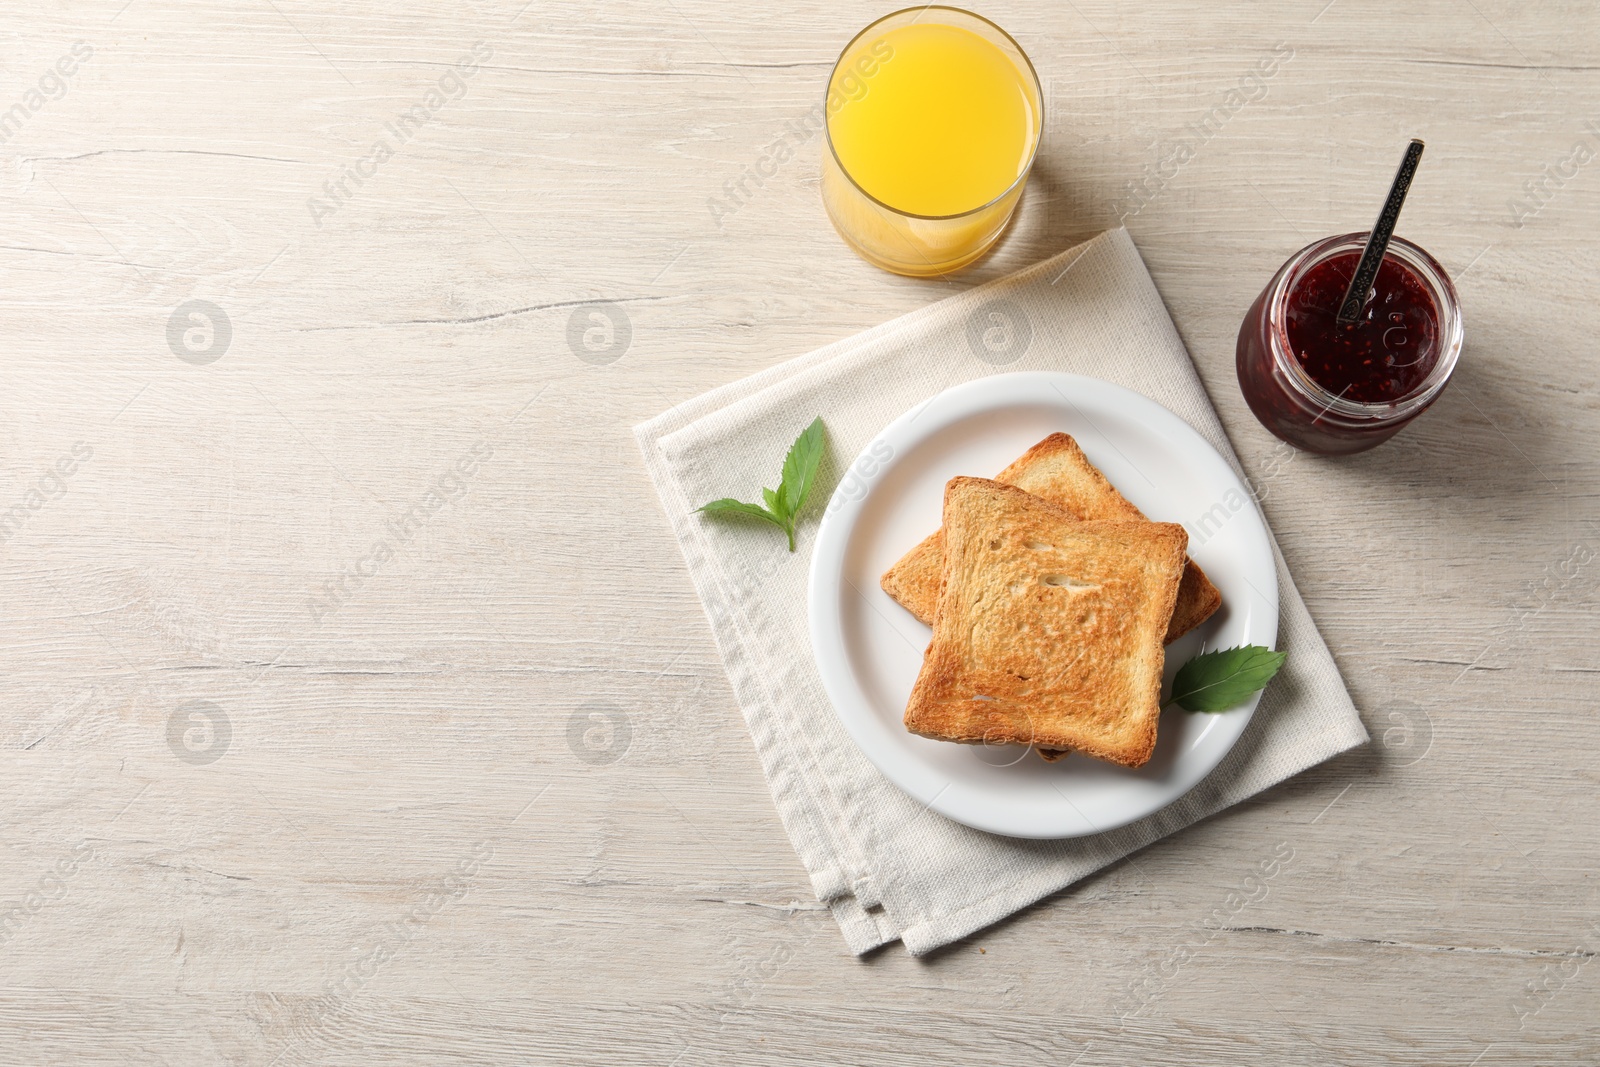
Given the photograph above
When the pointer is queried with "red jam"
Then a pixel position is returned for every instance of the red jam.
(1339, 389)
(1382, 356)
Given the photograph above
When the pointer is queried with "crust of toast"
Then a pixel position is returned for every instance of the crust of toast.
(1057, 470)
(1048, 629)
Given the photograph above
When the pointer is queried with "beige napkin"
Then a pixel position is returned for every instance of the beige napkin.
(886, 866)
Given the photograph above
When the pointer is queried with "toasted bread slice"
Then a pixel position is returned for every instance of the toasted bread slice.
(1057, 470)
(1048, 630)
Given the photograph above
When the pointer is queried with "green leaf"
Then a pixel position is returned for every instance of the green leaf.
(1217, 681)
(729, 506)
(785, 502)
(800, 468)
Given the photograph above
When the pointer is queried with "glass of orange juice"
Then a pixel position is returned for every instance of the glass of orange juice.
(934, 116)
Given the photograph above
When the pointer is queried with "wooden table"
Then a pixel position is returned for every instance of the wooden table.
(357, 708)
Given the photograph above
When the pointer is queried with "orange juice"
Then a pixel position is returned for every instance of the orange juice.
(933, 117)
(944, 125)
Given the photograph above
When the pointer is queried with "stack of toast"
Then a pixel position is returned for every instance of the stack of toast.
(1051, 598)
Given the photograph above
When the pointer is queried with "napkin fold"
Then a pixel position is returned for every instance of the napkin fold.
(886, 866)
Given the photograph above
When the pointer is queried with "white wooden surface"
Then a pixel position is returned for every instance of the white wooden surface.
(403, 854)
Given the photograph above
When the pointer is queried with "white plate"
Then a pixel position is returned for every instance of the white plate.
(869, 649)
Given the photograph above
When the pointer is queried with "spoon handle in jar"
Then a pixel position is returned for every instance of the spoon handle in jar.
(1355, 297)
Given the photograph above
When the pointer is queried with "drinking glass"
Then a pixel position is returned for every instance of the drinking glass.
(886, 234)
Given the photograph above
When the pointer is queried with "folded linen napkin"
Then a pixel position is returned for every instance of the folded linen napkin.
(886, 866)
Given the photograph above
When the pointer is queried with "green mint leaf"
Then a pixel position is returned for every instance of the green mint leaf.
(785, 502)
(800, 468)
(1217, 681)
(729, 506)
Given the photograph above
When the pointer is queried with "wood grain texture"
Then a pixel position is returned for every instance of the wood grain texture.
(493, 802)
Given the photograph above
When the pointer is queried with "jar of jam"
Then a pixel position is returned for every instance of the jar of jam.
(1337, 388)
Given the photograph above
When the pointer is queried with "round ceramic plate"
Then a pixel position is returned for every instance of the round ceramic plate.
(869, 649)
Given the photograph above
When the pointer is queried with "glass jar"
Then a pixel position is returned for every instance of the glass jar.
(1295, 406)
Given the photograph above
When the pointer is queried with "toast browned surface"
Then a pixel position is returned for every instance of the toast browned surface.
(1057, 470)
(1048, 630)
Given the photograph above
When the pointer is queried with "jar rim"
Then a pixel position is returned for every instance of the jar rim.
(1440, 289)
